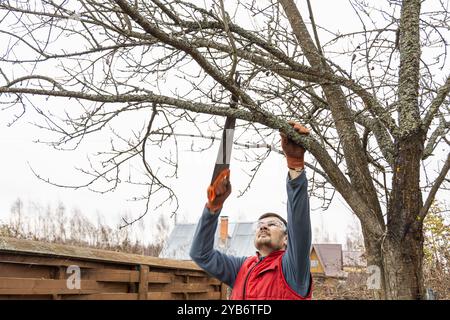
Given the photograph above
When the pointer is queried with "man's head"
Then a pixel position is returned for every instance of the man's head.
(271, 233)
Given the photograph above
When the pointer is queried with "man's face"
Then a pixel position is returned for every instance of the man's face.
(270, 235)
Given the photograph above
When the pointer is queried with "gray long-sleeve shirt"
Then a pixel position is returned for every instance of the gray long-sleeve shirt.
(295, 263)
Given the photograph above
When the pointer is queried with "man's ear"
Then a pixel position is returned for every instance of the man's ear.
(285, 240)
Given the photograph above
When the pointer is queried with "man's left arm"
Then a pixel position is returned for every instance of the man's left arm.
(296, 260)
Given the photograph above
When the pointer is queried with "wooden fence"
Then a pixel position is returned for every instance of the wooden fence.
(38, 270)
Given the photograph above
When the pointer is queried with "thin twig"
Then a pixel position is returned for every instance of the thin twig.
(231, 40)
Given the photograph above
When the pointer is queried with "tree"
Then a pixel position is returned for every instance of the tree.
(437, 250)
(354, 240)
(17, 217)
(377, 106)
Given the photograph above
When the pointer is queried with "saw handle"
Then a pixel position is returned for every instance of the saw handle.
(219, 191)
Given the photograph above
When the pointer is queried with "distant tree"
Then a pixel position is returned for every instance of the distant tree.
(321, 233)
(437, 250)
(354, 240)
(17, 217)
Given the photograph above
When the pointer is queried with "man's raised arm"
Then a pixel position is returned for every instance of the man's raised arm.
(296, 261)
(219, 265)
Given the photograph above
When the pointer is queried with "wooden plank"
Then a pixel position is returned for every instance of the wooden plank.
(113, 275)
(27, 286)
(223, 291)
(26, 271)
(159, 277)
(214, 282)
(216, 295)
(59, 275)
(159, 296)
(116, 287)
(189, 273)
(103, 296)
(26, 297)
(28, 259)
(45, 291)
(186, 287)
(143, 282)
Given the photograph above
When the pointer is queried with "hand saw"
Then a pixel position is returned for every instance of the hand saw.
(226, 144)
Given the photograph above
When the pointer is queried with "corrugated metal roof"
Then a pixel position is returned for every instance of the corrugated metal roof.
(179, 242)
(240, 241)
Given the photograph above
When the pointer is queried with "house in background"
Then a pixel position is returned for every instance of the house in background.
(327, 261)
(237, 239)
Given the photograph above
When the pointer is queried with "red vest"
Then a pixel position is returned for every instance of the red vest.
(264, 280)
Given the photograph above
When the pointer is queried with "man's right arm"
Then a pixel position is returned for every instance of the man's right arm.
(219, 265)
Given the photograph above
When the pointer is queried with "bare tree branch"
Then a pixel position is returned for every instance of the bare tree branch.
(437, 102)
(437, 183)
(346, 129)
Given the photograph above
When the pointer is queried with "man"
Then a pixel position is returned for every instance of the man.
(281, 268)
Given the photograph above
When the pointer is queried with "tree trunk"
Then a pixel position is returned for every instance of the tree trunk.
(398, 262)
(402, 247)
(374, 258)
(402, 261)
(398, 255)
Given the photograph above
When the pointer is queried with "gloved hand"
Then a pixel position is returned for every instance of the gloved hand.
(294, 153)
(219, 191)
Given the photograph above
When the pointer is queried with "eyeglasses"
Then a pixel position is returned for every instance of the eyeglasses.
(270, 224)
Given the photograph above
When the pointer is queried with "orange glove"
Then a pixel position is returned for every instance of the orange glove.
(219, 191)
(294, 153)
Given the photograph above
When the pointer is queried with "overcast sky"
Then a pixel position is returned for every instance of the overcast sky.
(268, 192)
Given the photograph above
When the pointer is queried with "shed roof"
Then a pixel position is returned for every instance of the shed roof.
(330, 256)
